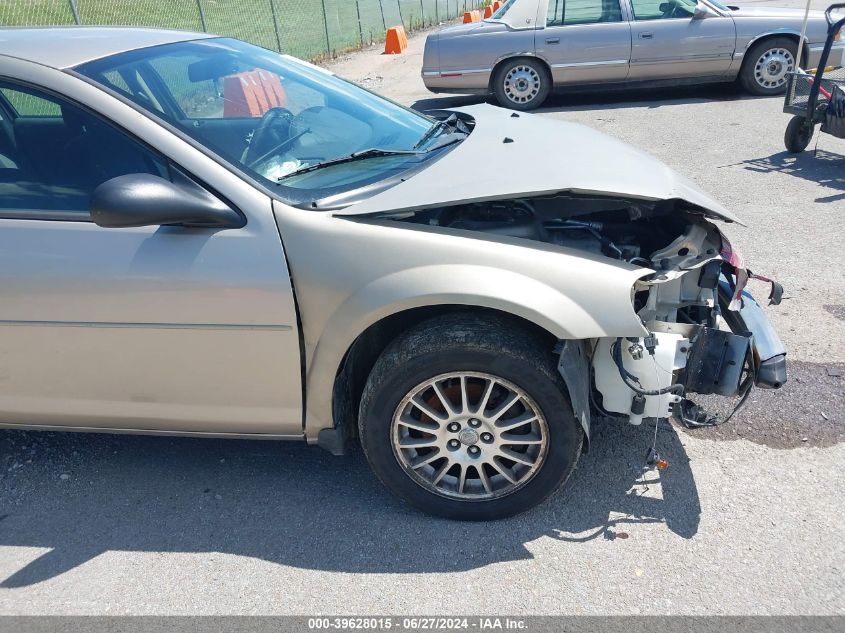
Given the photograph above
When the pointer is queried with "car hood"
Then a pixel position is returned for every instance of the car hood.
(511, 155)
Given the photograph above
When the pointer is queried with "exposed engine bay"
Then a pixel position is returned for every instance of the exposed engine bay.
(706, 334)
(620, 229)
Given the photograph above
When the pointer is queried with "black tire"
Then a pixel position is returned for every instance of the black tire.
(776, 46)
(532, 71)
(469, 343)
(798, 135)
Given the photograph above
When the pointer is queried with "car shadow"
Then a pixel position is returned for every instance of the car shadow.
(82, 495)
(609, 100)
(818, 166)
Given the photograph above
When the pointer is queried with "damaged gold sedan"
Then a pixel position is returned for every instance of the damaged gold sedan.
(202, 237)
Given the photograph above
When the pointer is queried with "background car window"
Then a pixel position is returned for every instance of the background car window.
(572, 12)
(504, 9)
(554, 16)
(54, 154)
(663, 9)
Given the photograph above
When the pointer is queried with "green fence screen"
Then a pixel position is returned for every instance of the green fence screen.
(310, 29)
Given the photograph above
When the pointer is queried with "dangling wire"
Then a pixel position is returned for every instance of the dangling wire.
(653, 455)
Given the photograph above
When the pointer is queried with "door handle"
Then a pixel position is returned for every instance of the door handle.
(646, 36)
(552, 40)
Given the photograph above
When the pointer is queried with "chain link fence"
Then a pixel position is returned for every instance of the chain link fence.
(310, 29)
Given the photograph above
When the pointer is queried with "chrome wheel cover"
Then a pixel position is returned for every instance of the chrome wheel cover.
(772, 68)
(522, 84)
(469, 435)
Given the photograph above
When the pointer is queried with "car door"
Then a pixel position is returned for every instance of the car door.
(667, 41)
(159, 328)
(585, 41)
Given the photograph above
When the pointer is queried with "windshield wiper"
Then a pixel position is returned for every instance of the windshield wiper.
(451, 126)
(445, 139)
(434, 129)
(363, 154)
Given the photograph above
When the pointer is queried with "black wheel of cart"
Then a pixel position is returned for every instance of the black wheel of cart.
(798, 134)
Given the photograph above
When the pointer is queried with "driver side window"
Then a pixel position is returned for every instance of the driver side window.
(663, 9)
(573, 12)
(54, 153)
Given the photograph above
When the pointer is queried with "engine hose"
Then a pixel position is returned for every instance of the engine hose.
(627, 377)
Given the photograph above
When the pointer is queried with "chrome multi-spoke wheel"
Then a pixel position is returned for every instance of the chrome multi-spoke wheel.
(466, 416)
(469, 435)
(773, 67)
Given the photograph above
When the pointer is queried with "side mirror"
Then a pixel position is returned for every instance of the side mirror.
(702, 11)
(147, 200)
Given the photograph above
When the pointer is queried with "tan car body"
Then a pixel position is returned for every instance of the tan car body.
(245, 331)
(419, 268)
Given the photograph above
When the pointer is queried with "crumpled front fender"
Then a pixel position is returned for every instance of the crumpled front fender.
(348, 275)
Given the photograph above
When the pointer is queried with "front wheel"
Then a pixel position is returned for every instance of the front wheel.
(798, 134)
(466, 417)
(522, 84)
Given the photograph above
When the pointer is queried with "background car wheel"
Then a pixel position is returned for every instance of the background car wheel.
(798, 135)
(466, 417)
(767, 64)
(522, 84)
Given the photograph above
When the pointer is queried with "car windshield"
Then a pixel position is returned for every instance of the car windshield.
(272, 116)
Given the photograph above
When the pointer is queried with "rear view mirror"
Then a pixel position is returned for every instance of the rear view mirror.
(213, 68)
(146, 200)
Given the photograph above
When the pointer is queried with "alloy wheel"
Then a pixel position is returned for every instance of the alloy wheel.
(469, 435)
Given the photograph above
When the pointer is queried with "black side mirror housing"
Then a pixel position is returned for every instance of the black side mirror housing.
(147, 200)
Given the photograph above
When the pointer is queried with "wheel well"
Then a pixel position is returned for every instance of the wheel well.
(361, 356)
(804, 55)
(506, 60)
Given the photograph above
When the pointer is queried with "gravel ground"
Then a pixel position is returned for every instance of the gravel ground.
(746, 519)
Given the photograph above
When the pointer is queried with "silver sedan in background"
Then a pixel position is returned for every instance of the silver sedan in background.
(530, 47)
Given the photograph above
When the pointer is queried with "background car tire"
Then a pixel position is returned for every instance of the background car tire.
(475, 345)
(522, 84)
(768, 60)
(798, 135)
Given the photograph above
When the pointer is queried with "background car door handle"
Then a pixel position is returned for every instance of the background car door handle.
(646, 36)
(552, 40)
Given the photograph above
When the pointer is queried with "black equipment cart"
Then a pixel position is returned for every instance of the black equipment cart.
(818, 97)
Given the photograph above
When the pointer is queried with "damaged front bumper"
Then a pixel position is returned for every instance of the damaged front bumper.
(650, 377)
(768, 352)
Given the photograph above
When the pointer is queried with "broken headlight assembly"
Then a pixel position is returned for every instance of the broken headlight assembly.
(706, 335)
